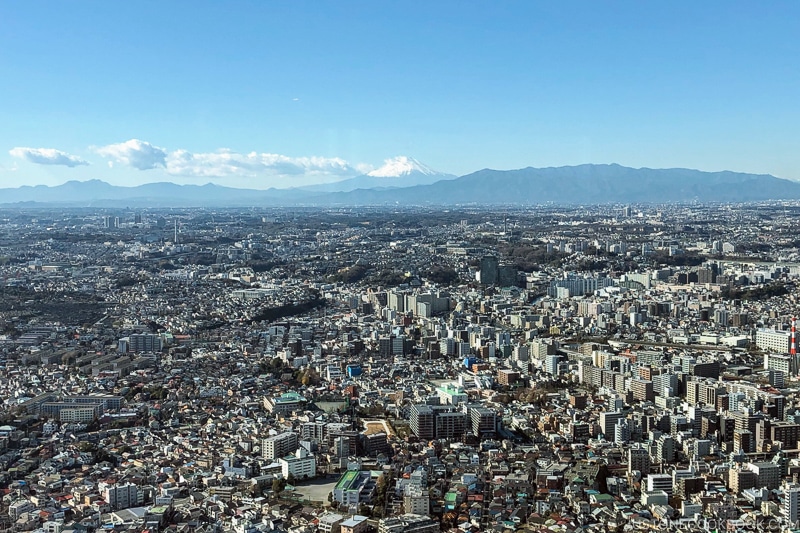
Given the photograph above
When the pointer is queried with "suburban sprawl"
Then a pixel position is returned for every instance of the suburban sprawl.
(398, 369)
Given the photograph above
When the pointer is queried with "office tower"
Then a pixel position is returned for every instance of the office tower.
(791, 504)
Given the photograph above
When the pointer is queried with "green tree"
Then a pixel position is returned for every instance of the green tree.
(86, 447)
(278, 485)
(443, 275)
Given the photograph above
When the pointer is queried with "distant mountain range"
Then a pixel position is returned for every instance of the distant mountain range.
(99, 193)
(586, 184)
(408, 182)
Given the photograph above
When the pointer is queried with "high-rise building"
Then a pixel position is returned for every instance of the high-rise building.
(744, 441)
(622, 432)
(396, 301)
(706, 369)
(773, 340)
(373, 444)
(609, 419)
(791, 504)
(767, 473)
(787, 433)
(642, 390)
(346, 440)
(507, 276)
(539, 348)
(422, 421)
(705, 275)
(777, 378)
(279, 445)
(300, 465)
(489, 270)
(313, 430)
(741, 479)
(551, 365)
(665, 449)
(780, 362)
(121, 496)
(638, 459)
(483, 422)
(665, 384)
(659, 482)
(145, 342)
(685, 487)
(450, 423)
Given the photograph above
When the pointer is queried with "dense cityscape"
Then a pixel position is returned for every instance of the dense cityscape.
(399, 267)
(602, 368)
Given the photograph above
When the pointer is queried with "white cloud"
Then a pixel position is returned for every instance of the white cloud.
(138, 154)
(224, 163)
(47, 156)
(364, 168)
(243, 169)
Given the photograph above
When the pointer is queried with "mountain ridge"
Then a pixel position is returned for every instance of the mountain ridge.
(579, 184)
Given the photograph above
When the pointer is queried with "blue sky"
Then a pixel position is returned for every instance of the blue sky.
(282, 93)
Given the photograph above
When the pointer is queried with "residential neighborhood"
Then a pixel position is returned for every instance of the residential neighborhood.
(607, 368)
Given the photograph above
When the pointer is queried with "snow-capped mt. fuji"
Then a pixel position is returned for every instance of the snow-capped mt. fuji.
(401, 165)
(400, 171)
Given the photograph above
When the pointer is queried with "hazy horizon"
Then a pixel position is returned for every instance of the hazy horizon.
(392, 181)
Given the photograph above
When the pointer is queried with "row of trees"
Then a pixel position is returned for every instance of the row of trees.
(763, 292)
(274, 313)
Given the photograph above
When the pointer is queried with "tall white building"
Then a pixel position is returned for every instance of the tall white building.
(551, 365)
(659, 482)
(121, 496)
(279, 445)
(19, 507)
(622, 432)
(300, 465)
(665, 446)
(773, 340)
(665, 384)
(780, 362)
(416, 500)
(791, 504)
